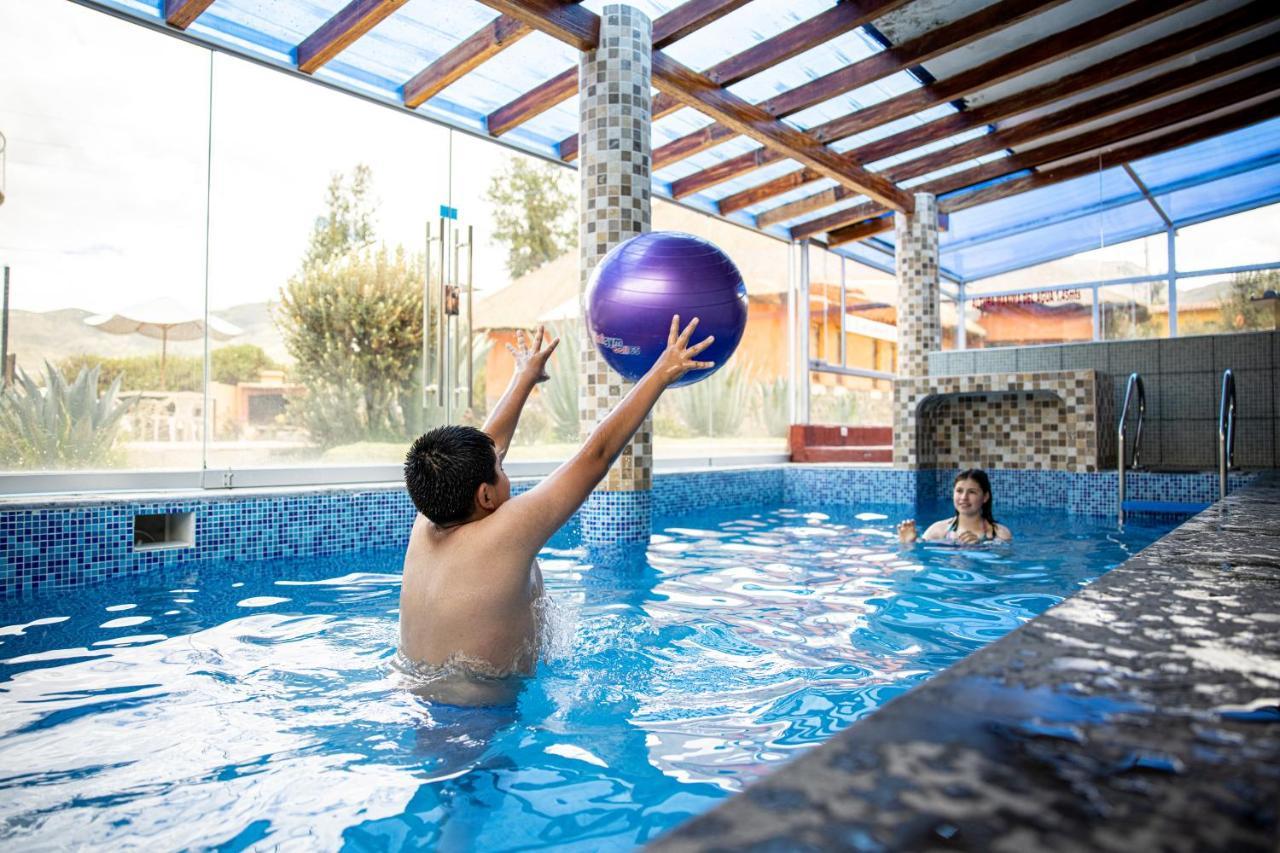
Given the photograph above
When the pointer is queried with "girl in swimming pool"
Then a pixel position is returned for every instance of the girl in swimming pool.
(973, 522)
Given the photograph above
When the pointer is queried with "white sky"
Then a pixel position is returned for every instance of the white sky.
(109, 139)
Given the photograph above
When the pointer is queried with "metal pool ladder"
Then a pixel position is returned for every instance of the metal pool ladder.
(1135, 384)
(1226, 430)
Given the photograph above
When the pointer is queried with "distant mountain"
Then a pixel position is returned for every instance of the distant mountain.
(54, 335)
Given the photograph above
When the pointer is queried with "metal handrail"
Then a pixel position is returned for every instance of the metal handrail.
(1134, 384)
(1226, 429)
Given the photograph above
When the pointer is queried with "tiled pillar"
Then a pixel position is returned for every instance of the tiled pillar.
(614, 114)
(919, 327)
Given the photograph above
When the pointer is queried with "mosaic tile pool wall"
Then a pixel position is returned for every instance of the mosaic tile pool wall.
(68, 542)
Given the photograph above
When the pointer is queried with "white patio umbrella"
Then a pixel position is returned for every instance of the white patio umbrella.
(166, 319)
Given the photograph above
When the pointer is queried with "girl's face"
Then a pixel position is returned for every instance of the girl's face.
(968, 497)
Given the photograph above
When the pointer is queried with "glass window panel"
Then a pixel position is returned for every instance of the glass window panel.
(1129, 311)
(317, 230)
(103, 221)
(1145, 256)
(1235, 302)
(742, 408)
(525, 214)
(1025, 319)
(1237, 240)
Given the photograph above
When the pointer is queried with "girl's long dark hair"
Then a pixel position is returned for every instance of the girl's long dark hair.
(980, 477)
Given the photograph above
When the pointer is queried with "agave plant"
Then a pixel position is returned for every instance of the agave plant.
(59, 425)
(773, 405)
(560, 392)
(716, 405)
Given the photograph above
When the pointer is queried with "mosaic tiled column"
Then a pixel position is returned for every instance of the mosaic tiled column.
(614, 113)
(919, 327)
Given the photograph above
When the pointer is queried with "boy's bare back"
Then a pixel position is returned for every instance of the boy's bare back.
(471, 589)
(468, 600)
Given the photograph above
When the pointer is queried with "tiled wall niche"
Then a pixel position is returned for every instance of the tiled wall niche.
(75, 541)
(1183, 378)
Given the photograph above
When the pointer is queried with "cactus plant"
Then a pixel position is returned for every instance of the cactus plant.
(60, 425)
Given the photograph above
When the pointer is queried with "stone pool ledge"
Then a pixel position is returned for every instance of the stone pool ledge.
(1142, 713)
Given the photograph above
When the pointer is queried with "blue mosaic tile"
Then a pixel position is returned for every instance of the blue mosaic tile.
(65, 545)
(611, 518)
(678, 493)
(834, 484)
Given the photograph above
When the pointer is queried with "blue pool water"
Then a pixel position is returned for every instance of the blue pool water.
(255, 705)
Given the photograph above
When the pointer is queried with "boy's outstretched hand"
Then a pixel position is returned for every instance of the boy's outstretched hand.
(678, 358)
(532, 361)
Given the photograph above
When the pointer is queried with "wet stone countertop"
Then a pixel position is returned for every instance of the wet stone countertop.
(1141, 714)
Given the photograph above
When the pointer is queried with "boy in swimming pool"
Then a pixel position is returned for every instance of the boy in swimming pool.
(471, 581)
(973, 522)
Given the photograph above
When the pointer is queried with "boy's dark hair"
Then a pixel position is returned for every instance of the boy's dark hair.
(443, 469)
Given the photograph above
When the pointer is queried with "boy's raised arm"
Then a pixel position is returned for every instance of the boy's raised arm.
(539, 512)
(531, 368)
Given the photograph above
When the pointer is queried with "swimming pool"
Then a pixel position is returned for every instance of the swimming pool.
(255, 704)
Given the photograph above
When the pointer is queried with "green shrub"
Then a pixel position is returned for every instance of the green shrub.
(232, 365)
(239, 363)
(139, 372)
(354, 328)
(61, 425)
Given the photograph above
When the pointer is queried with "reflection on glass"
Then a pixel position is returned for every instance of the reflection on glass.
(1024, 319)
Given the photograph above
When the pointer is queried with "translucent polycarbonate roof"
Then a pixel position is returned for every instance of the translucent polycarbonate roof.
(1218, 177)
(1212, 178)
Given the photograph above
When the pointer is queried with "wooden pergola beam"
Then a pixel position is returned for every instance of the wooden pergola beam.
(703, 94)
(700, 92)
(563, 21)
(533, 102)
(806, 35)
(1079, 145)
(180, 14)
(1170, 83)
(481, 46)
(865, 71)
(342, 30)
(1106, 26)
(1163, 50)
(676, 24)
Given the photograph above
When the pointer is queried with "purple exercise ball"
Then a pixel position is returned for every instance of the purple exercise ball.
(640, 283)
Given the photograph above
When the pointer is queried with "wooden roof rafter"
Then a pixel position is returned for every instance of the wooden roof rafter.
(1107, 26)
(1171, 47)
(681, 21)
(181, 14)
(1164, 85)
(842, 18)
(573, 24)
(481, 46)
(1187, 110)
(342, 30)
(876, 67)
